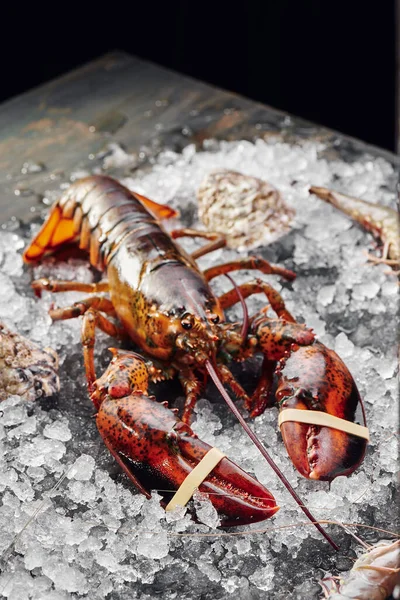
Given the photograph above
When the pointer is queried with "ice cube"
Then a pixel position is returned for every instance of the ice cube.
(58, 430)
(81, 491)
(153, 545)
(386, 367)
(65, 577)
(343, 346)
(106, 559)
(82, 468)
(366, 290)
(35, 557)
(326, 294)
(209, 569)
(27, 428)
(205, 511)
(40, 452)
(263, 578)
(13, 411)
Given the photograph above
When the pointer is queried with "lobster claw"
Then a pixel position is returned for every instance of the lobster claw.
(237, 496)
(158, 451)
(315, 378)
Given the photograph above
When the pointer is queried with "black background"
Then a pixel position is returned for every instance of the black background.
(332, 62)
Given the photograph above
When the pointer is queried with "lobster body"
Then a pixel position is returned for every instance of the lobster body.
(148, 274)
(166, 306)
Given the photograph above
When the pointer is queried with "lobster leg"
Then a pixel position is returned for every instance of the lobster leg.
(54, 286)
(79, 308)
(255, 287)
(217, 240)
(90, 309)
(92, 319)
(235, 386)
(192, 388)
(275, 339)
(252, 262)
(157, 373)
(262, 397)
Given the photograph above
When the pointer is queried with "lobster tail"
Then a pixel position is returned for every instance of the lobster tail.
(90, 210)
(56, 230)
(64, 223)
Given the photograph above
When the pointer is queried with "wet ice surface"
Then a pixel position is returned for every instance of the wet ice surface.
(94, 536)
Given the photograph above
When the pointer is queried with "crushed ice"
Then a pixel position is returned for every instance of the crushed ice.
(90, 535)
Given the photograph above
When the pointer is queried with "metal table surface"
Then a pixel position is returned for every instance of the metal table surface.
(145, 108)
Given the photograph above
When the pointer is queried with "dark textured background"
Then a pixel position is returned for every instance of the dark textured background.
(331, 63)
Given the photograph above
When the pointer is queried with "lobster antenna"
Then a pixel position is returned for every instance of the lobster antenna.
(245, 326)
(359, 540)
(214, 376)
(363, 411)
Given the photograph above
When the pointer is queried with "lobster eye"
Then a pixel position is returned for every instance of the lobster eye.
(186, 324)
(215, 319)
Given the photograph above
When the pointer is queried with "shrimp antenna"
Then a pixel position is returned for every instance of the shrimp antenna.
(212, 371)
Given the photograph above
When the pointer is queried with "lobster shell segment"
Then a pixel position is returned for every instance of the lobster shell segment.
(315, 378)
(159, 452)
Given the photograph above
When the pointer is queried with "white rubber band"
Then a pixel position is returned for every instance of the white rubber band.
(195, 478)
(317, 417)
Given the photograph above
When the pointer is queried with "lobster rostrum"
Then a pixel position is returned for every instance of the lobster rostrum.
(166, 307)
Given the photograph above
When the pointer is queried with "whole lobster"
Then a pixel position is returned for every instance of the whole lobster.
(165, 305)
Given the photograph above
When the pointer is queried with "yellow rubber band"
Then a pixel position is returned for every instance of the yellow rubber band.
(317, 417)
(195, 478)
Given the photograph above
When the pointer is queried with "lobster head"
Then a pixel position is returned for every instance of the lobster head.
(185, 314)
(315, 378)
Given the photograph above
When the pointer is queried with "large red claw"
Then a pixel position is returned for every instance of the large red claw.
(315, 378)
(235, 494)
(158, 451)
